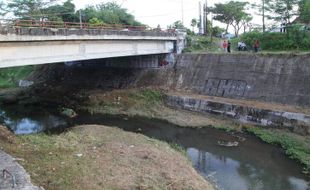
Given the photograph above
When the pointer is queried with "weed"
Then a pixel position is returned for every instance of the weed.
(9, 76)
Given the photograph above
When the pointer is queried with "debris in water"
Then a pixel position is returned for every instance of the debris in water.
(79, 155)
(228, 143)
(25, 83)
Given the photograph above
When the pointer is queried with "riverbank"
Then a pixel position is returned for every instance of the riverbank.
(150, 103)
(100, 157)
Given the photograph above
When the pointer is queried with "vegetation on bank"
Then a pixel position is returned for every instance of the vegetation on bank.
(100, 157)
(296, 147)
(295, 39)
(201, 44)
(9, 77)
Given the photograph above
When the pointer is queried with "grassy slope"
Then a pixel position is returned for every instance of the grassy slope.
(99, 157)
(9, 77)
(203, 44)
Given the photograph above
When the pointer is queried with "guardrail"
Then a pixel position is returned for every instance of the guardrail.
(77, 25)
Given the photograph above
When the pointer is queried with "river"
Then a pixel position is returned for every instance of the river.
(253, 165)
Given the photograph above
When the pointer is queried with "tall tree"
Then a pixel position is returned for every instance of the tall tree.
(264, 11)
(28, 9)
(2, 8)
(223, 14)
(304, 11)
(231, 13)
(283, 10)
(177, 25)
(246, 22)
(65, 12)
(110, 13)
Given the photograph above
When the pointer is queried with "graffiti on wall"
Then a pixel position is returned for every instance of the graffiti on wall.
(225, 87)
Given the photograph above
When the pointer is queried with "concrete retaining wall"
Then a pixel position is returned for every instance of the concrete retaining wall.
(274, 78)
(299, 123)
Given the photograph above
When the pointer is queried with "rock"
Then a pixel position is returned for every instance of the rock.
(68, 112)
(25, 83)
(22, 178)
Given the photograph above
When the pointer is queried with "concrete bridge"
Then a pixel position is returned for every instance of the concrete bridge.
(33, 45)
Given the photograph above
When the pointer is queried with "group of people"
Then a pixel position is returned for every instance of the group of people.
(241, 46)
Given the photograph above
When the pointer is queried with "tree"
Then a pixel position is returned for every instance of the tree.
(2, 8)
(217, 31)
(263, 9)
(194, 23)
(283, 10)
(231, 13)
(28, 9)
(110, 13)
(304, 11)
(223, 14)
(95, 22)
(177, 25)
(65, 12)
(246, 22)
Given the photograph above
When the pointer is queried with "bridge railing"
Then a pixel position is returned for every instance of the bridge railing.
(51, 24)
(77, 25)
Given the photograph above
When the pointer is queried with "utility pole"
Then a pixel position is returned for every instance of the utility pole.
(211, 27)
(264, 27)
(81, 23)
(200, 19)
(205, 17)
(182, 12)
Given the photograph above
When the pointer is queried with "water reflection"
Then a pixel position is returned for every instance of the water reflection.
(24, 121)
(228, 173)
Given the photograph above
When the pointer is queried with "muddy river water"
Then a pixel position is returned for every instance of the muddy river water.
(253, 165)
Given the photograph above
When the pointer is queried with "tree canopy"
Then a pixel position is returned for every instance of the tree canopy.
(283, 10)
(109, 13)
(65, 12)
(177, 25)
(28, 9)
(232, 14)
(304, 11)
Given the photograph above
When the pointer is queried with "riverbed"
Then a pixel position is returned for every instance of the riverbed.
(250, 165)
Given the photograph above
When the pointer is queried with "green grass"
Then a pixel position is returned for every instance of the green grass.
(148, 96)
(295, 146)
(200, 44)
(9, 77)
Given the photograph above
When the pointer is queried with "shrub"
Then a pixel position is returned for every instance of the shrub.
(296, 38)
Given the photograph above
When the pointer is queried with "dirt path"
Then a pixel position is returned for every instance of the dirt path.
(22, 179)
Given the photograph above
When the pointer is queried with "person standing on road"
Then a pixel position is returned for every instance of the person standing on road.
(225, 45)
(256, 46)
(228, 46)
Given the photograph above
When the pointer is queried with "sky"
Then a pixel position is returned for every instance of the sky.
(164, 12)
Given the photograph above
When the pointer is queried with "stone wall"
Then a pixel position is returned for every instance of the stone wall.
(274, 78)
(296, 122)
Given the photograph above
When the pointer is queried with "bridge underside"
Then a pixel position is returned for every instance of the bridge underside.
(42, 52)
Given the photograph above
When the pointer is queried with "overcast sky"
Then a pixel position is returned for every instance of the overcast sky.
(163, 12)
